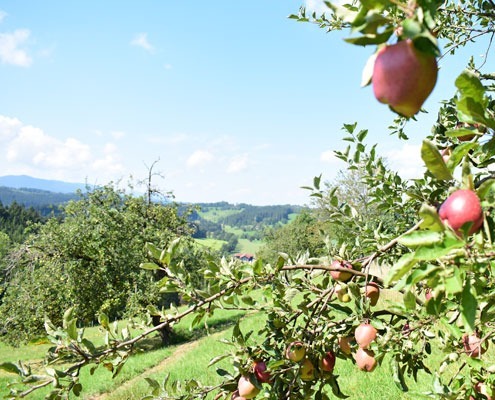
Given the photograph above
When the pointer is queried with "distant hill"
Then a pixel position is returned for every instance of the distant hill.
(24, 181)
(42, 201)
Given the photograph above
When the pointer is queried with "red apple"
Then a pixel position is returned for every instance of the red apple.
(246, 388)
(404, 77)
(341, 276)
(327, 363)
(462, 207)
(372, 291)
(295, 351)
(365, 360)
(365, 334)
(472, 345)
(428, 294)
(307, 370)
(261, 373)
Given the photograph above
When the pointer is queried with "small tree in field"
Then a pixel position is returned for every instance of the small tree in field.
(435, 239)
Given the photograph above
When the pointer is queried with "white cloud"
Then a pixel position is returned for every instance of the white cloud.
(3, 14)
(238, 163)
(8, 127)
(141, 40)
(406, 160)
(328, 157)
(199, 158)
(10, 51)
(26, 149)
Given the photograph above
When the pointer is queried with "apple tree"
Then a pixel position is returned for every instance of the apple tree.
(432, 250)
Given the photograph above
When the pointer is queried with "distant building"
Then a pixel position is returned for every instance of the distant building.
(246, 257)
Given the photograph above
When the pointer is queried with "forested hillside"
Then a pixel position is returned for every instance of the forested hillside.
(15, 218)
(233, 223)
(43, 201)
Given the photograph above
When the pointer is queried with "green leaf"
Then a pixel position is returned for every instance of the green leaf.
(411, 28)
(469, 85)
(400, 268)
(71, 329)
(485, 188)
(434, 161)
(409, 300)
(11, 368)
(371, 38)
(469, 305)
(336, 388)
(438, 250)
(153, 250)
(398, 375)
(104, 321)
(68, 315)
(76, 389)
(420, 238)
(453, 284)
(149, 266)
(217, 359)
(430, 218)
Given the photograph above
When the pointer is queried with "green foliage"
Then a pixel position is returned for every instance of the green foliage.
(301, 235)
(90, 260)
(379, 229)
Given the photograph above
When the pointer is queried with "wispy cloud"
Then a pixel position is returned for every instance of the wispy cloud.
(238, 163)
(199, 158)
(406, 160)
(3, 14)
(10, 48)
(141, 40)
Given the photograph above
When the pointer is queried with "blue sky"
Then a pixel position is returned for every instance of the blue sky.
(238, 102)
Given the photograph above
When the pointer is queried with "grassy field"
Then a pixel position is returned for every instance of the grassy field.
(214, 244)
(194, 349)
(216, 214)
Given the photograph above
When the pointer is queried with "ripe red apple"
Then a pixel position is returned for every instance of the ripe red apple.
(372, 292)
(345, 344)
(307, 370)
(403, 77)
(327, 362)
(365, 360)
(462, 207)
(341, 276)
(365, 334)
(295, 351)
(428, 294)
(246, 388)
(472, 345)
(261, 373)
